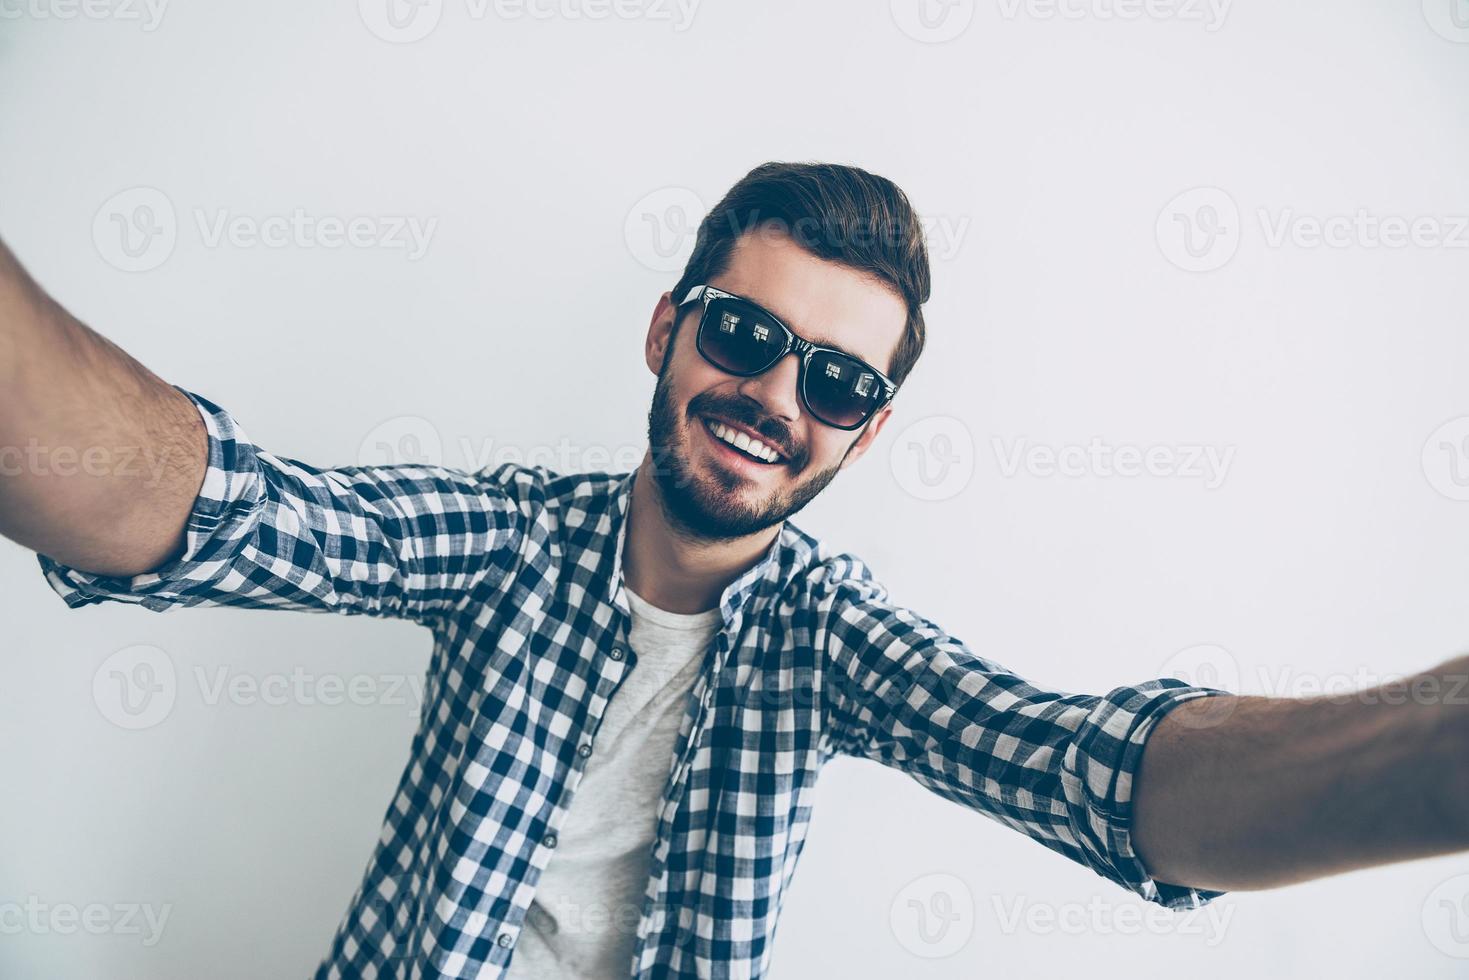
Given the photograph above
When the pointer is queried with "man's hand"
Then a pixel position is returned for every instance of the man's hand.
(1252, 792)
(100, 460)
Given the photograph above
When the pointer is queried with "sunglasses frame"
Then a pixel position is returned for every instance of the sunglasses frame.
(794, 343)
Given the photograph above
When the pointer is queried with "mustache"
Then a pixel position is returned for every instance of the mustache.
(773, 432)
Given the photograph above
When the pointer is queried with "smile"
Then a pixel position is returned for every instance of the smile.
(739, 441)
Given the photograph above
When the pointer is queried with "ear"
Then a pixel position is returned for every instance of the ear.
(869, 435)
(660, 333)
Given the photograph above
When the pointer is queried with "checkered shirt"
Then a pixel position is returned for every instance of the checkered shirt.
(517, 571)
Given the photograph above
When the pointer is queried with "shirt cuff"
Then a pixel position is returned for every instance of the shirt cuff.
(1098, 774)
(229, 486)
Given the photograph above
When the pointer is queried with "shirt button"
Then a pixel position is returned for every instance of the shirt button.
(504, 939)
(616, 653)
(549, 840)
(584, 749)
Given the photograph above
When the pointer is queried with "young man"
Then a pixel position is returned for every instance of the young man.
(637, 676)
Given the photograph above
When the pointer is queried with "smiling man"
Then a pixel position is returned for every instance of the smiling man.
(637, 677)
(736, 444)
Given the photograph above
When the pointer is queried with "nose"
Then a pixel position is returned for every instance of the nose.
(775, 389)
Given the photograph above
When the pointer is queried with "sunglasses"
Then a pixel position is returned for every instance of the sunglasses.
(740, 337)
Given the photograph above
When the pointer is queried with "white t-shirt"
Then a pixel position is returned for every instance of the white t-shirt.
(589, 900)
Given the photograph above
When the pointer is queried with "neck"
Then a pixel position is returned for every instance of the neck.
(672, 570)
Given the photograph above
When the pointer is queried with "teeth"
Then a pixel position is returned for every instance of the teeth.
(753, 447)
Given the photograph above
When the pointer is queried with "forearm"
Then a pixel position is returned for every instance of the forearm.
(100, 459)
(1241, 793)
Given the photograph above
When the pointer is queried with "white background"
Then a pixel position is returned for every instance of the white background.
(1048, 148)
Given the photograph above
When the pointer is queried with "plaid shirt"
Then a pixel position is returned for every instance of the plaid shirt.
(517, 571)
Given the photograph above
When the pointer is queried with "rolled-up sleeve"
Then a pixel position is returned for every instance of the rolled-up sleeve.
(1057, 767)
(407, 541)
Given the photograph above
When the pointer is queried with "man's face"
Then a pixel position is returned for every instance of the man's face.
(713, 490)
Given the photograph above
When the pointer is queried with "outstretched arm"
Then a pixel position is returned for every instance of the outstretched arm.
(1255, 792)
(1177, 792)
(100, 459)
(135, 491)
(1058, 767)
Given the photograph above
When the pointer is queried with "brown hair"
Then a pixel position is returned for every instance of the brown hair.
(835, 212)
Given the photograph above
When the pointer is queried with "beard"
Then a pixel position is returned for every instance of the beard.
(712, 509)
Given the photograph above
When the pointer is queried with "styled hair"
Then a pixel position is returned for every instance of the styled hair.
(835, 212)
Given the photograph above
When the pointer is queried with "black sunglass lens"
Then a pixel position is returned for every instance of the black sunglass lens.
(738, 339)
(841, 390)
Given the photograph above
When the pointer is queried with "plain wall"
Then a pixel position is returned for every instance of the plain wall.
(562, 160)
